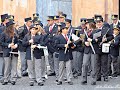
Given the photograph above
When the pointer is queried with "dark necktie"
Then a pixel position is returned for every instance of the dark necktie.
(66, 37)
(50, 28)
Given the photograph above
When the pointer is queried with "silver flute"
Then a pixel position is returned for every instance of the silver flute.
(11, 48)
(104, 36)
(68, 41)
(90, 42)
(32, 57)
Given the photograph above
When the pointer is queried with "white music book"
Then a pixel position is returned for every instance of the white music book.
(74, 37)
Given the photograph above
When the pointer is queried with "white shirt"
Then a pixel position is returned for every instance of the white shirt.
(115, 24)
(100, 27)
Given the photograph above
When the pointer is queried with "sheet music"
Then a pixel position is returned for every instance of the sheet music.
(74, 37)
(14, 53)
(45, 52)
(45, 49)
(42, 47)
(96, 35)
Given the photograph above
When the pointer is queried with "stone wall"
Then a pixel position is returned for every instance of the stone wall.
(87, 9)
(75, 9)
(19, 8)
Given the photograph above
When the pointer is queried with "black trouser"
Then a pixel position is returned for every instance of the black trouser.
(112, 59)
(119, 63)
(102, 65)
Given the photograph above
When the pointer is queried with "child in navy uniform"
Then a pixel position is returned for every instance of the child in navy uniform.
(31, 41)
(9, 42)
(114, 53)
(64, 57)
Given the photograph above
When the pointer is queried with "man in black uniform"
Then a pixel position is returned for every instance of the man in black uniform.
(56, 19)
(4, 20)
(102, 60)
(62, 18)
(36, 19)
(104, 22)
(116, 24)
(35, 15)
(51, 29)
(79, 31)
(11, 17)
(82, 24)
(22, 31)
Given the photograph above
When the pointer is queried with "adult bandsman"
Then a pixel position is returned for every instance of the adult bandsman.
(102, 60)
(22, 31)
(51, 30)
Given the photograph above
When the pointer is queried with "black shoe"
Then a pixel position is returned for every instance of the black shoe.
(65, 79)
(43, 79)
(56, 80)
(75, 76)
(4, 83)
(93, 83)
(25, 74)
(35, 81)
(51, 74)
(31, 83)
(84, 82)
(40, 84)
(114, 77)
(59, 83)
(99, 79)
(70, 83)
(13, 82)
(106, 79)
(88, 74)
(79, 74)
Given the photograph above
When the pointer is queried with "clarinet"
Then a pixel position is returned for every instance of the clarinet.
(11, 48)
(68, 41)
(104, 37)
(32, 50)
(90, 42)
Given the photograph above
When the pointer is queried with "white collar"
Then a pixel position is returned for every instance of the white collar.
(100, 27)
(27, 27)
(52, 25)
(64, 34)
(115, 23)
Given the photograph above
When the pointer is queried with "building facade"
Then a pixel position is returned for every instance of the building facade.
(19, 8)
(51, 7)
(75, 9)
(87, 9)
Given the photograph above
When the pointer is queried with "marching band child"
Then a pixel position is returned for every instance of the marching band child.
(114, 53)
(64, 57)
(31, 41)
(9, 42)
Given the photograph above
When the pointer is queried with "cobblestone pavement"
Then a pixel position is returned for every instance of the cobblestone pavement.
(50, 84)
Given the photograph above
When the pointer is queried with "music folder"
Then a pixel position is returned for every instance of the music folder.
(96, 35)
(74, 37)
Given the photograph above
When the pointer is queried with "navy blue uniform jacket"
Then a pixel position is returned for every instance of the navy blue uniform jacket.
(60, 44)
